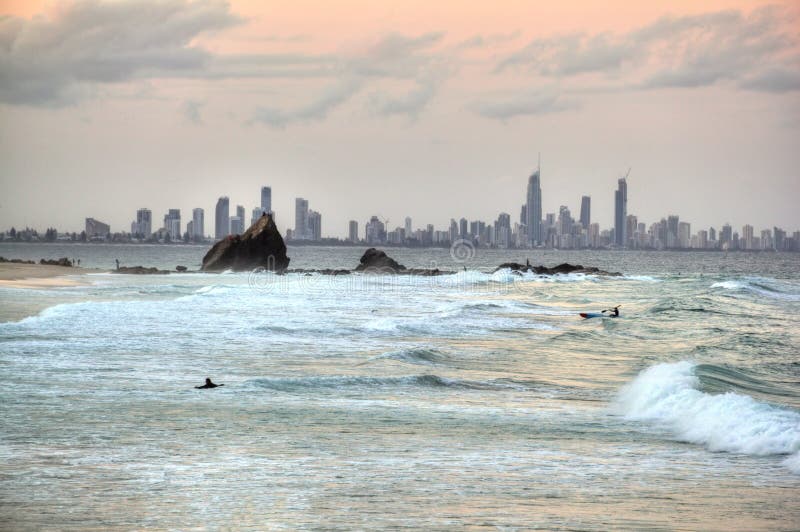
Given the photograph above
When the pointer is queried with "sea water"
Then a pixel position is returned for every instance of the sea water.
(476, 399)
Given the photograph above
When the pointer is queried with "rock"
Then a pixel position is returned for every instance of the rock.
(63, 261)
(375, 260)
(261, 246)
(16, 261)
(180, 268)
(139, 270)
(563, 268)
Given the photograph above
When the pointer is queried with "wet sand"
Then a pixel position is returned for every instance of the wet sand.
(15, 275)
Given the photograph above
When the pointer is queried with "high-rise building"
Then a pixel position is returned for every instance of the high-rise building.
(241, 215)
(620, 212)
(255, 214)
(300, 219)
(237, 225)
(172, 224)
(533, 208)
(408, 227)
(564, 220)
(266, 200)
(353, 231)
(314, 226)
(586, 211)
(198, 223)
(684, 235)
(463, 228)
(144, 222)
(747, 237)
(222, 218)
(375, 231)
(96, 228)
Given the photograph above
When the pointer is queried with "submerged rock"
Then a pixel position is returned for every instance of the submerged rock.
(140, 270)
(563, 268)
(376, 260)
(261, 246)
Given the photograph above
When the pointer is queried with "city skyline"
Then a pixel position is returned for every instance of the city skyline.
(414, 107)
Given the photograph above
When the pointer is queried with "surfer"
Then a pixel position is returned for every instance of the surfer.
(614, 311)
(208, 384)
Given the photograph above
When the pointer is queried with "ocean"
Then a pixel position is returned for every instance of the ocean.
(473, 400)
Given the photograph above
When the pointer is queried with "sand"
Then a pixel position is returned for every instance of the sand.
(14, 275)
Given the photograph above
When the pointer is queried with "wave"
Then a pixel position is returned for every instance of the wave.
(338, 382)
(668, 395)
(418, 355)
(770, 288)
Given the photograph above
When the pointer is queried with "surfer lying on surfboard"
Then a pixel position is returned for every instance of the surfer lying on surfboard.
(613, 313)
(613, 310)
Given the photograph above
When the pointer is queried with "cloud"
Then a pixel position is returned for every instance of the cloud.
(688, 51)
(774, 80)
(317, 109)
(54, 60)
(535, 103)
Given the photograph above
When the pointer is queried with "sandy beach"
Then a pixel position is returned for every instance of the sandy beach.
(15, 275)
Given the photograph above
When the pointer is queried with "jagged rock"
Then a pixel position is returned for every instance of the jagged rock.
(261, 246)
(559, 269)
(63, 261)
(376, 260)
(140, 270)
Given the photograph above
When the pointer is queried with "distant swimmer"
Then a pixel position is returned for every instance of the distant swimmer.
(614, 311)
(208, 384)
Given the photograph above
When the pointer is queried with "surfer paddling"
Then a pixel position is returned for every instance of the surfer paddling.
(208, 385)
(613, 310)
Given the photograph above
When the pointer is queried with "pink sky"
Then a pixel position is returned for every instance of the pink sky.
(404, 108)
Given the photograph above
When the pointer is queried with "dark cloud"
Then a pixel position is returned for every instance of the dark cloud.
(53, 61)
(538, 103)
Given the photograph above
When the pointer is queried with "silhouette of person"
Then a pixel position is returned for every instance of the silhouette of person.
(208, 385)
(117, 263)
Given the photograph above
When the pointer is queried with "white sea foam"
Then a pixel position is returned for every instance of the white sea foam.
(668, 396)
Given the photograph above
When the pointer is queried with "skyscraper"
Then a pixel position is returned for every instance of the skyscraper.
(144, 222)
(408, 227)
(198, 223)
(353, 230)
(172, 224)
(533, 209)
(255, 214)
(314, 226)
(300, 219)
(620, 212)
(241, 215)
(222, 218)
(266, 200)
(586, 211)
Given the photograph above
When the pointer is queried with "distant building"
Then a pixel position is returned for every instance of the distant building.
(172, 224)
(96, 228)
(533, 209)
(314, 226)
(352, 231)
(222, 226)
(198, 223)
(375, 231)
(144, 223)
(256, 214)
(620, 212)
(463, 228)
(240, 212)
(237, 225)
(300, 219)
(586, 211)
(408, 227)
(266, 200)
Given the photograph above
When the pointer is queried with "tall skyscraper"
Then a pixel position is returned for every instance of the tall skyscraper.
(586, 212)
(256, 214)
(266, 200)
(463, 228)
(172, 224)
(300, 219)
(620, 212)
(314, 226)
(533, 208)
(144, 222)
(408, 227)
(198, 223)
(222, 218)
(353, 231)
(241, 215)
(237, 225)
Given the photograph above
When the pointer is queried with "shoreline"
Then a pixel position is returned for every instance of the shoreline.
(16, 275)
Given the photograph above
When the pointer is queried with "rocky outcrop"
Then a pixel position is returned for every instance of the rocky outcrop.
(560, 269)
(140, 270)
(180, 268)
(376, 260)
(261, 246)
(63, 261)
(16, 261)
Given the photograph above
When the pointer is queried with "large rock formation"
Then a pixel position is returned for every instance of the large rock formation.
(261, 246)
(375, 260)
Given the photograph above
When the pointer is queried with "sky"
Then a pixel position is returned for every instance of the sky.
(433, 110)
